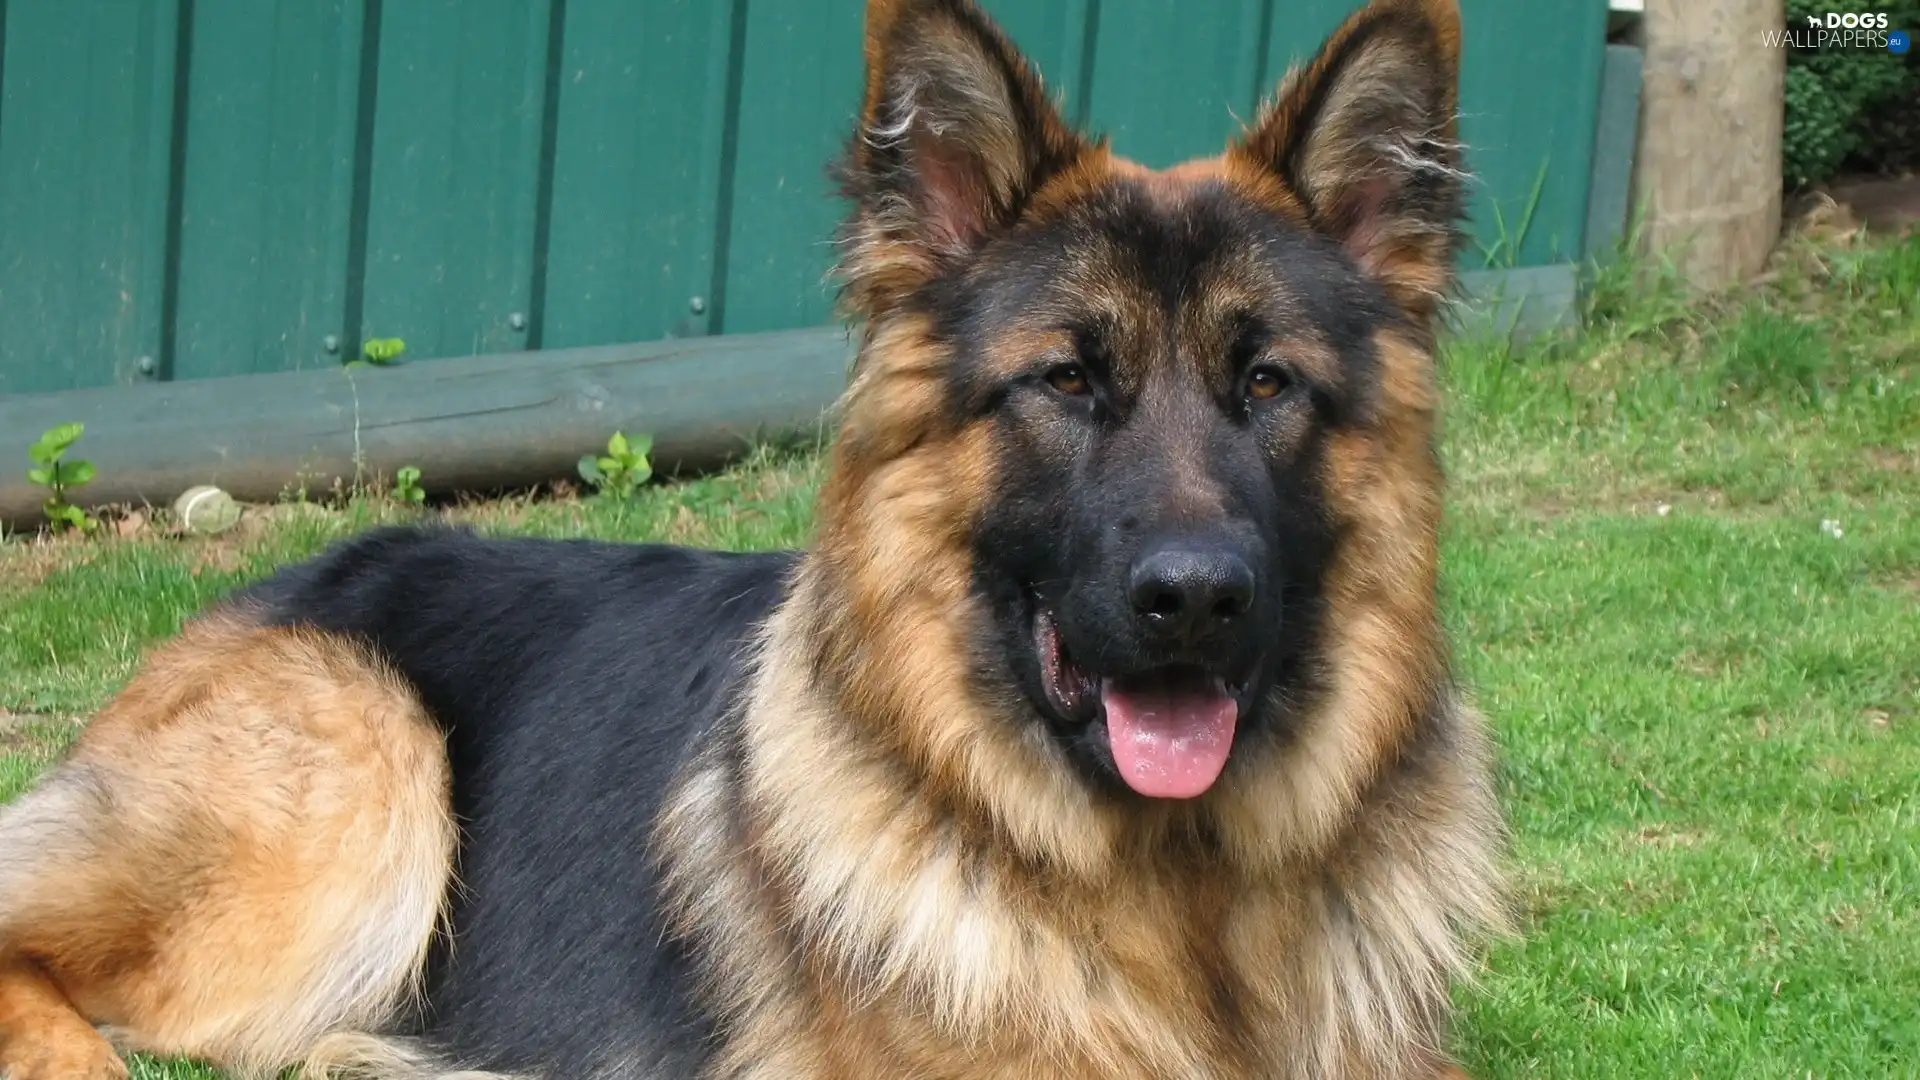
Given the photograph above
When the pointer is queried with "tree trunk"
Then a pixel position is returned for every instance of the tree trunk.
(1707, 175)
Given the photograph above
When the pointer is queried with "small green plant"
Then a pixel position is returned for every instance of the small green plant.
(52, 470)
(623, 468)
(380, 352)
(406, 486)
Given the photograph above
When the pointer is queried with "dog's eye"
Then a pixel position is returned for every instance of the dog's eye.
(1266, 381)
(1070, 379)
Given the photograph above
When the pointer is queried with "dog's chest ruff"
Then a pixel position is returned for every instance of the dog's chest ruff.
(847, 928)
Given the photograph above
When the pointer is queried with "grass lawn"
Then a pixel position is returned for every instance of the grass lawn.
(1684, 564)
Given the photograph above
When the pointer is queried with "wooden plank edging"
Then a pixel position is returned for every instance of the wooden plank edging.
(510, 419)
(472, 423)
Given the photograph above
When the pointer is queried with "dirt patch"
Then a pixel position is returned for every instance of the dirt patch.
(518, 509)
(1550, 506)
(35, 735)
(221, 556)
(257, 521)
(26, 562)
(29, 560)
(1901, 582)
(1903, 462)
(1712, 664)
(1887, 204)
(1665, 835)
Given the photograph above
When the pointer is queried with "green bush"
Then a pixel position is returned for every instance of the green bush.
(1851, 108)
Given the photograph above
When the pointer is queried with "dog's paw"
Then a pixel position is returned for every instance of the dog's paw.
(77, 1055)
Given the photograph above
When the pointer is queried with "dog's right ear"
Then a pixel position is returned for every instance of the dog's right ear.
(956, 134)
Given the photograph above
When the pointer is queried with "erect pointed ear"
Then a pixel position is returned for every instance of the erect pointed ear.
(956, 133)
(1365, 135)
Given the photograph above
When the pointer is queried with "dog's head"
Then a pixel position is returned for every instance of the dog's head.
(1148, 452)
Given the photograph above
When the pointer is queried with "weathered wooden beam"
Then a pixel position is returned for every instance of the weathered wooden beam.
(514, 419)
(475, 423)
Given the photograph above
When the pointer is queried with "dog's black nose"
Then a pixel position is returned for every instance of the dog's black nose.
(1185, 592)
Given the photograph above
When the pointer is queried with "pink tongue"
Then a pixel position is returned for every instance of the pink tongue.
(1169, 745)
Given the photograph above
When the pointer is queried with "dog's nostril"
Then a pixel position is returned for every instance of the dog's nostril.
(1229, 607)
(1163, 604)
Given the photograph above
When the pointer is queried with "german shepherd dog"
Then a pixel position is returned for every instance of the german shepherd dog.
(1105, 729)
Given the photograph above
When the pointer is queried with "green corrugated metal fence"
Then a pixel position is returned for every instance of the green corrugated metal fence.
(191, 188)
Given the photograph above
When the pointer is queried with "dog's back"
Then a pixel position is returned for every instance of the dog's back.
(565, 723)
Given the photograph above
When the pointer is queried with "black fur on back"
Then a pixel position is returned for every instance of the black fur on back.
(572, 678)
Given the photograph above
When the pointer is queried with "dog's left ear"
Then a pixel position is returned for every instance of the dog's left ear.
(956, 134)
(1365, 136)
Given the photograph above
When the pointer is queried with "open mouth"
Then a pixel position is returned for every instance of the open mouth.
(1170, 729)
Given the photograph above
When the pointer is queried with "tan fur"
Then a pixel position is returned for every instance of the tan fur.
(353, 1055)
(248, 851)
(905, 885)
(41, 1036)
